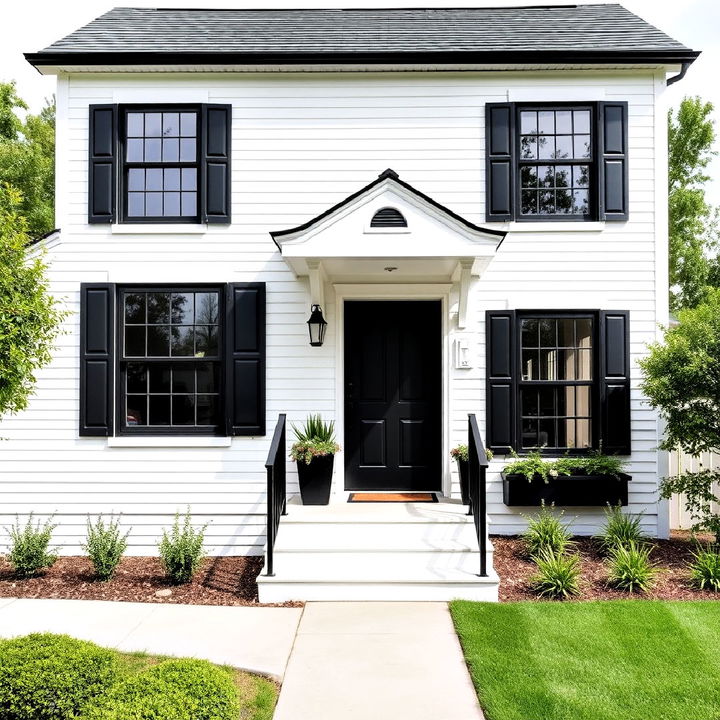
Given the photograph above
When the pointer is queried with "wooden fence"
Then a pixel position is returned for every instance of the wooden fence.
(680, 462)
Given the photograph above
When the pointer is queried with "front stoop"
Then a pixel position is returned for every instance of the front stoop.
(378, 551)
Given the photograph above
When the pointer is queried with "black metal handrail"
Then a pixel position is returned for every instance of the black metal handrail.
(477, 471)
(276, 489)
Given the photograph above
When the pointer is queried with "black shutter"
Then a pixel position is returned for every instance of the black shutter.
(501, 379)
(499, 163)
(615, 381)
(102, 144)
(97, 314)
(216, 124)
(245, 371)
(612, 133)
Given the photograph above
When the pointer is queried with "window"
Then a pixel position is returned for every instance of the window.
(558, 380)
(556, 385)
(159, 164)
(555, 162)
(564, 162)
(170, 360)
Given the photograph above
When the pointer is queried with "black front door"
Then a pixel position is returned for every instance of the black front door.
(393, 406)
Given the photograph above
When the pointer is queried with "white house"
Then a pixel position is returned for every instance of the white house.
(475, 198)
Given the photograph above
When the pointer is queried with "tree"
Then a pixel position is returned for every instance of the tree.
(27, 158)
(682, 380)
(693, 227)
(29, 316)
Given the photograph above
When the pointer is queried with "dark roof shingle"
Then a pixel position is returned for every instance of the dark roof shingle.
(471, 34)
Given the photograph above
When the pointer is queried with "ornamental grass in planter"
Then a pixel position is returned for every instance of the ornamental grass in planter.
(314, 452)
(590, 480)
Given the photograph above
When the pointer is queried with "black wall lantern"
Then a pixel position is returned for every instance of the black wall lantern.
(316, 326)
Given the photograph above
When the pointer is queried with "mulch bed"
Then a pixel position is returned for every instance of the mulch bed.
(220, 581)
(672, 583)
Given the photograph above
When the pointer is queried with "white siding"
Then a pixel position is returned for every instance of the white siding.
(301, 143)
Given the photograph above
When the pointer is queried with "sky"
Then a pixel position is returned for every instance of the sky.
(31, 25)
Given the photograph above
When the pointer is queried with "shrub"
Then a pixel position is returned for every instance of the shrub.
(315, 439)
(173, 690)
(619, 529)
(29, 553)
(546, 532)
(105, 546)
(143, 697)
(705, 568)
(52, 677)
(181, 550)
(631, 568)
(558, 575)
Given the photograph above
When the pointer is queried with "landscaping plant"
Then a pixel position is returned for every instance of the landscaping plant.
(105, 546)
(460, 452)
(315, 439)
(630, 567)
(530, 465)
(705, 568)
(546, 533)
(29, 551)
(52, 677)
(558, 574)
(619, 529)
(182, 549)
(595, 463)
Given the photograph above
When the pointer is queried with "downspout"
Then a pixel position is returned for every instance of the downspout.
(680, 75)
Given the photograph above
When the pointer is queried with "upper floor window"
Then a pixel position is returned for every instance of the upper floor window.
(160, 165)
(563, 161)
(555, 162)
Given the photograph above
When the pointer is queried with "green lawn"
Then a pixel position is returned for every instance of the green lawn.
(610, 660)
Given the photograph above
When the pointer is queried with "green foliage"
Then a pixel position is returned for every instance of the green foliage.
(530, 465)
(680, 379)
(620, 529)
(27, 158)
(315, 439)
(558, 575)
(181, 550)
(173, 690)
(29, 552)
(595, 463)
(630, 567)
(52, 677)
(546, 533)
(461, 452)
(105, 546)
(693, 231)
(29, 315)
(705, 568)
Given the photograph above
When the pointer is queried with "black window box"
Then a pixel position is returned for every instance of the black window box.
(566, 490)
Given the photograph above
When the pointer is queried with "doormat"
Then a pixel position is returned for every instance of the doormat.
(392, 497)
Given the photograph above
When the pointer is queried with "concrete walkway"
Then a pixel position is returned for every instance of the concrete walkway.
(351, 660)
(255, 639)
(377, 660)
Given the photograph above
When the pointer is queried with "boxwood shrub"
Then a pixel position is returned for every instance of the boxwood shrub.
(173, 690)
(52, 677)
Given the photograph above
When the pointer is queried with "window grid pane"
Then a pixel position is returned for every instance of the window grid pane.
(553, 188)
(155, 139)
(557, 376)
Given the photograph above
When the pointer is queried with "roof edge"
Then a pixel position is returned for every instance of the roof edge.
(511, 57)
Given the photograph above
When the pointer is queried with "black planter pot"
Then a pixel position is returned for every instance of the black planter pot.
(566, 490)
(315, 480)
(463, 467)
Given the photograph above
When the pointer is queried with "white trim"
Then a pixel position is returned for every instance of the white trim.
(154, 96)
(552, 227)
(158, 229)
(368, 230)
(432, 291)
(169, 441)
(542, 95)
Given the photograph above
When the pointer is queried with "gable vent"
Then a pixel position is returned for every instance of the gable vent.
(388, 217)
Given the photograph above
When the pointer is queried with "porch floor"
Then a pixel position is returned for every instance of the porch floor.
(377, 551)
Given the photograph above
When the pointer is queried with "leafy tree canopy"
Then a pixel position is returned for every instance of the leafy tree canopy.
(693, 222)
(29, 315)
(27, 158)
